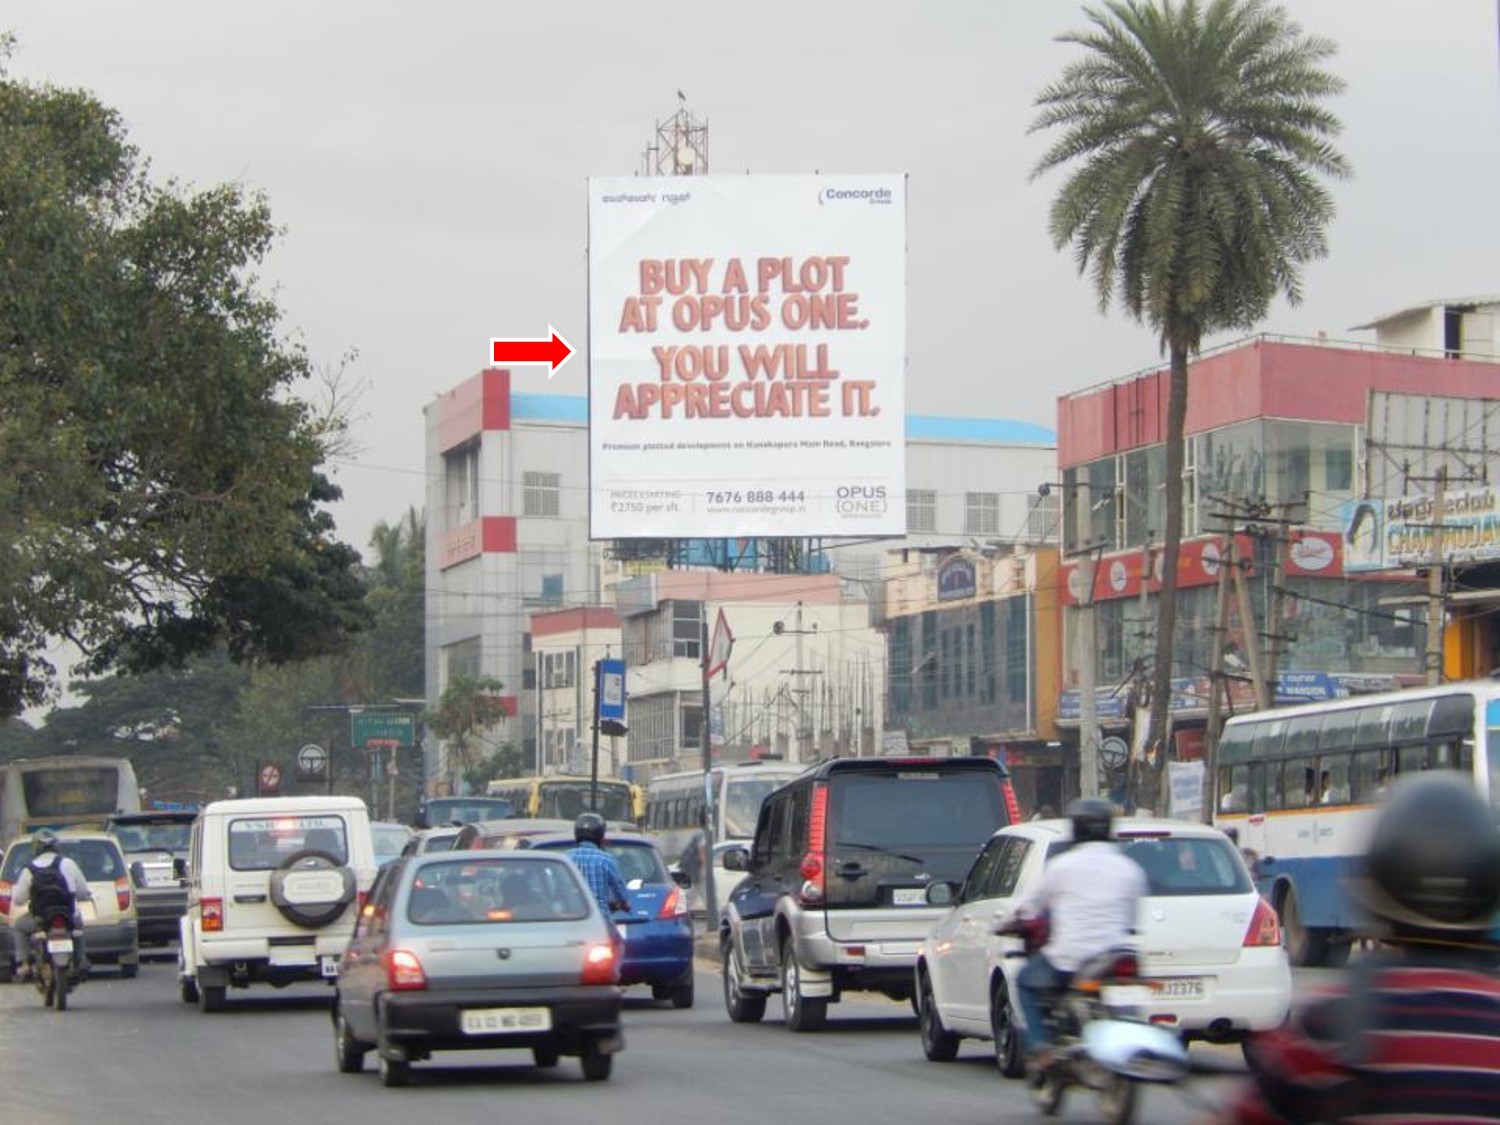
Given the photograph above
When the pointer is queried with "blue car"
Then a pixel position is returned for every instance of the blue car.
(659, 950)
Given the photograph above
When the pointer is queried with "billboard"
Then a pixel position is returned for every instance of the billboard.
(1393, 533)
(747, 355)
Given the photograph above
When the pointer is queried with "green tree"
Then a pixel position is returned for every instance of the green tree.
(1197, 137)
(164, 492)
(470, 707)
(504, 762)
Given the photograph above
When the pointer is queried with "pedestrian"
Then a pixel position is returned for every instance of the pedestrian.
(1413, 1035)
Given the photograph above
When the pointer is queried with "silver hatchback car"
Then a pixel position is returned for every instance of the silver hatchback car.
(479, 950)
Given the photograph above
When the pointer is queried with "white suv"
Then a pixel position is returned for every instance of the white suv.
(274, 888)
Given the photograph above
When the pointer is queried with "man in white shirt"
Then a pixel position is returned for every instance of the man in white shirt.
(1089, 896)
(44, 855)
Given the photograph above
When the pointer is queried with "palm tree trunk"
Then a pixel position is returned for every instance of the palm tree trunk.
(1149, 787)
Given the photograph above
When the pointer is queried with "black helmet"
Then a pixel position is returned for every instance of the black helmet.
(44, 841)
(1434, 858)
(589, 826)
(1091, 819)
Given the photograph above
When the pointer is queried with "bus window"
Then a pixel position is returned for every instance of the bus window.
(1302, 736)
(1276, 787)
(1369, 774)
(1409, 721)
(1411, 759)
(1257, 787)
(1333, 779)
(1454, 754)
(1234, 788)
(1234, 744)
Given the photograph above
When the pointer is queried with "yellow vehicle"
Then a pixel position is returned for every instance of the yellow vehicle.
(565, 796)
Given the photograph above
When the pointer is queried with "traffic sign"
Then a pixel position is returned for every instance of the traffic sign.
(371, 728)
(312, 760)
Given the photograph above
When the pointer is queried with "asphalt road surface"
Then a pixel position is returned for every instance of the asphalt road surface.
(131, 1051)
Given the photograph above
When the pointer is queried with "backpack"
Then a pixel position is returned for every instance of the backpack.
(50, 893)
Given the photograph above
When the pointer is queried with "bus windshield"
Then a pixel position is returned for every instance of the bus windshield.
(71, 792)
(566, 799)
(743, 797)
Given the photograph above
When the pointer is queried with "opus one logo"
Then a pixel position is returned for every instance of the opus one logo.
(854, 195)
(860, 500)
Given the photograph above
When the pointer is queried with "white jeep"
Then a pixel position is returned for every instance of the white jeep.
(275, 885)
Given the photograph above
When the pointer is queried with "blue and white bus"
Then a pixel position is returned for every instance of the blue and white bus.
(1301, 785)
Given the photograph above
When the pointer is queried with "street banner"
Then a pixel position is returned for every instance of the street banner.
(747, 356)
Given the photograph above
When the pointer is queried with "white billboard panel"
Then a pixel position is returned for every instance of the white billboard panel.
(747, 356)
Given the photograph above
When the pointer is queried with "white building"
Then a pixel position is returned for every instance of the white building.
(508, 532)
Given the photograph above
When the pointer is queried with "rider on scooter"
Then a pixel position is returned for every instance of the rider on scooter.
(72, 888)
(1088, 897)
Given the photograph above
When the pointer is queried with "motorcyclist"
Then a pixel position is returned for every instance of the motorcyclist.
(1088, 897)
(44, 855)
(1414, 1033)
(600, 871)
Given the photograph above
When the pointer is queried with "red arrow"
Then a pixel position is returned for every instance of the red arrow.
(554, 351)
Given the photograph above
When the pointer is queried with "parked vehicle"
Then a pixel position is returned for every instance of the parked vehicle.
(274, 887)
(156, 849)
(658, 951)
(479, 950)
(110, 927)
(1210, 949)
(834, 897)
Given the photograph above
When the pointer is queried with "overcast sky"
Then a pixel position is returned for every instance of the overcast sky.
(429, 162)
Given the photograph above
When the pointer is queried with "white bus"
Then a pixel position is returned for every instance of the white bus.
(733, 791)
(64, 792)
(1300, 785)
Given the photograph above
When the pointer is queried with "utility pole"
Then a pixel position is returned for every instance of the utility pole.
(1216, 685)
(1437, 572)
(1088, 703)
(799, 703)
(710, 814)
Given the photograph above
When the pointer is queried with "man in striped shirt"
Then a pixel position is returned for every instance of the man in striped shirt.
(1414, 1036)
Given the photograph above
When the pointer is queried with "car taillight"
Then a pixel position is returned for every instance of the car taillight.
(814, 881)
(1125, 967)
(211, 911)
(403, 971)
(599, 964)
(1012, 806)
(1265, 928)
(359, 903)
(4, 897)
(674, 906)
(122, 894)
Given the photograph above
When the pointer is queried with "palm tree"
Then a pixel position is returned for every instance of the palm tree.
(1196, 136)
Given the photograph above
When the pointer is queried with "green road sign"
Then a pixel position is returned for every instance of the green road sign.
(366, 727)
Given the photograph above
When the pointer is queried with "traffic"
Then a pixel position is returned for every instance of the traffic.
(914, 887)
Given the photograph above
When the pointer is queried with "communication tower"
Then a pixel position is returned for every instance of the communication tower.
(680, 147)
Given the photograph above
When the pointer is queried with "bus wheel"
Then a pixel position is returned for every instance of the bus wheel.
(1306, 947)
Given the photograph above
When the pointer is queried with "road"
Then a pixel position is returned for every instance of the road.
(132, 1051)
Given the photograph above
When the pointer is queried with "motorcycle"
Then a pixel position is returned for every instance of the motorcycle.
(1101, 1043)
(52, 959)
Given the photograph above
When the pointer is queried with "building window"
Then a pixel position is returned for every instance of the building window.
(987, 652)
(461, 486)
(1338, 468)
(540, 493)
(982, 513)
(902, 666)
(692, 728)
(687, 629)
(559, 669)
(462, 659)
(921, 509)
(652, 728)
(1016, 657)
(1044, 519)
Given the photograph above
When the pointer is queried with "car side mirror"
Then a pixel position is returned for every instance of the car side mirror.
(942, 894)
(735, 859)
(138, 874)
(681, 878)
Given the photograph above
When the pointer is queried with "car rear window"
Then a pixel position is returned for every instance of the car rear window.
(170, 836)
(265, 843)
(1182, 865)
(97, 859)
(915, 807)
(460, 892)
(636, 861)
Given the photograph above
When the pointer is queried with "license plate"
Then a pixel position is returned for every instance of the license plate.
(1177, 988)
(328, 966)
(1124, 995)
(500, 1021)
(59, 945)
(909, 896)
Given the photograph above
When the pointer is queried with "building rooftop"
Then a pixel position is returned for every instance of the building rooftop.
(919, 427)
(1440, 303)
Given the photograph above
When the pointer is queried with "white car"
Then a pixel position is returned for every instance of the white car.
(1210, 946)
